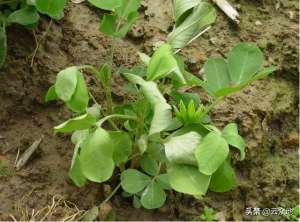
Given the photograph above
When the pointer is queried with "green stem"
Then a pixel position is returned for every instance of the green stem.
(101, 121)
(107, 87)
(111, 194)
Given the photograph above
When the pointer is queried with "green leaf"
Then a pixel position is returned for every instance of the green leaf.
(106, 4)
(223, 179)
(244, 61)
(127, 7)
(162, 110)
(183, 6)
(149, 165)
(3, 43)
(122, 146)
(132, 17)
(187, 179)
(133, 181)
(108, 24)
(76, 174)
(78, 123)
(216, 74)
(202, 16)
(51, 94)
(162, 63)
(66, 82)
(163, 181)
(80, 98)
(52, 8)
(181, 149)
(153, 196)
(96, 156)
(24, 16)
(264, 73)
(211, 153)
(231, 135)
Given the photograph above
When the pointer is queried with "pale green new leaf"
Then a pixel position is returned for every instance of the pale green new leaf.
(24, 16)
(216, 74)
(133, 181)
(149, 165)
(122, 146)
(106, 4)
(162, 63)
(187, 179)
(52, 8)
(231, 135)
(96, 156)
(66, 82)
(223, 179)
(78, 123)
(153, 196)
(211, 153)
(202, 16)
(181, 149)
(80, 98)
(244, 61)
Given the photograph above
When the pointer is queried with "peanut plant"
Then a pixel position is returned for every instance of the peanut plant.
(162, 139)
(25, 13)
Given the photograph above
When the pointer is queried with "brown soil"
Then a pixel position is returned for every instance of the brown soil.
(267, 111)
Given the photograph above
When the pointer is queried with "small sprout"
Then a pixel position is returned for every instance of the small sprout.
(190, 114)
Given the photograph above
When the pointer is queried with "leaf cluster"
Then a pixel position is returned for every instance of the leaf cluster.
(162, 138)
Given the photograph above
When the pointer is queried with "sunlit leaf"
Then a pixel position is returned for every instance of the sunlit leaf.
(181, 149)
(96, 156)
(66, 82)
(80, 98)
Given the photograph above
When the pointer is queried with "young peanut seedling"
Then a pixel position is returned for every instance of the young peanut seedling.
(159, 141)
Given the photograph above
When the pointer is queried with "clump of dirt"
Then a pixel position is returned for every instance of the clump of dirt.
(266, 111)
